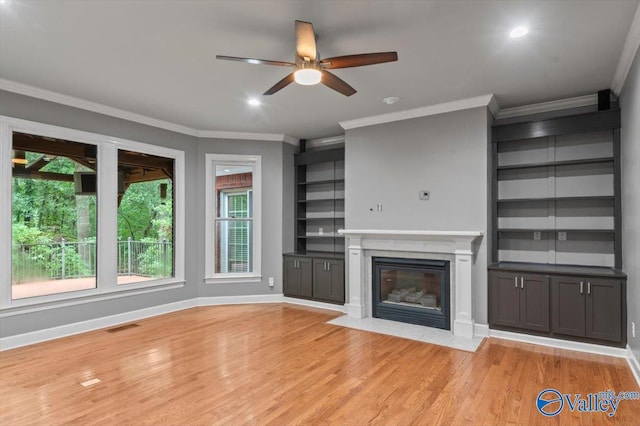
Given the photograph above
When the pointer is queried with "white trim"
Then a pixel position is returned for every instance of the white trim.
(560, 344)
(478, 101)
(47, 95)
(634, 364)
(107, 222)
(275, 137)
(239, 300)
(481, 330)
(80, 297)
(255, 161)
(494, 107)
(628, 54)
(33, 337)
(234, 279)
(328, 141)
(556, 105)
(314, 304)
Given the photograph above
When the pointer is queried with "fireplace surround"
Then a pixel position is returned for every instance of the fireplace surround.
(457, 247)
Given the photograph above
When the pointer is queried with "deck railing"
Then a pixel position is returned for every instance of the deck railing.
(64, 260)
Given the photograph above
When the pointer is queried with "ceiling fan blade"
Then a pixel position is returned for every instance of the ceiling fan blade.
(337, 84)
(358, 60)
(306, 41)
(256, 61)
(280, 85)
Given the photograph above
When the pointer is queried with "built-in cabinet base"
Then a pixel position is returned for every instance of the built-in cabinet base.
(566, 302)
(319, 278)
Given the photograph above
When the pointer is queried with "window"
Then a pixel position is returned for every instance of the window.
(145, 217)
(83, 214)
(233, 218)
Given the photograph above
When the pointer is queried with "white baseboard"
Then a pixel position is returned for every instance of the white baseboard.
(239, 300)
(314, 304)
(30, 338)
(634, 364)
(480, 330)
(560, 344)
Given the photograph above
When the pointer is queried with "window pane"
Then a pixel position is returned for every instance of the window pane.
(53, 216)
(234, 246)
(145, 217)
(234, 238)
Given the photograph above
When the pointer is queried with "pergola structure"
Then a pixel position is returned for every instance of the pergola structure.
(133, 167)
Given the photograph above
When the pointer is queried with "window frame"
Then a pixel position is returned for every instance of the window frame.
(254, 161)
(107, 224)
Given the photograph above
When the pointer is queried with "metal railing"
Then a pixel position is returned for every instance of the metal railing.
(64, 260)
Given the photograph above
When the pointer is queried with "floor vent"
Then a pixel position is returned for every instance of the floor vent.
(122, 328)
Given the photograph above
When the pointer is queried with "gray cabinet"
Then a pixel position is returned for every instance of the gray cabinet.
(298, 276)
(587, 307)
(520, 301)
(315, 278)
(566, 302)
(328, 280)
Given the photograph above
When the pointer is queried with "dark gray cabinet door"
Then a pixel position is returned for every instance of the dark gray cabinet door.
(603, 305)
(328, 280)
(290, 284)
(568, 305)
(534, 302)
(505, 293)
(297, 277)
(306, 277)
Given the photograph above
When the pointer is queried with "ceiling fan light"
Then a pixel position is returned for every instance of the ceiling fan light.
(307, 76)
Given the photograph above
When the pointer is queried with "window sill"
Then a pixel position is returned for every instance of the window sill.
(25, 306)
(233, 279)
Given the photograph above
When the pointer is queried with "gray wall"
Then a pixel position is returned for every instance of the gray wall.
(24, 107)
(272, 215)
(446, 154)
(630, 150)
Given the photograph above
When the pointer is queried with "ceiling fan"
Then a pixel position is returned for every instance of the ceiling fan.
(310, 69)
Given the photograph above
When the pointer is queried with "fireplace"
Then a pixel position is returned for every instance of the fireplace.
(414, 291)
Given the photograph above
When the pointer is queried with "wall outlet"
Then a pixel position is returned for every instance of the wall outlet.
(271, 282)
(424, 195)
(536, 235)
(562, 236)
(633, 329)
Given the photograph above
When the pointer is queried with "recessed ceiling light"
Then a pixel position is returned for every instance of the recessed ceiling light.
(253, 61)
(391, 100)
(253, 102)
(227, 170)
(518, 32)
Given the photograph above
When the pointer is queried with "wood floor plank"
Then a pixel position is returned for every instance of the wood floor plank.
(281, 364)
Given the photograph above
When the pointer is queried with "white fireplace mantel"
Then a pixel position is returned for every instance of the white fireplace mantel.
(460, 245)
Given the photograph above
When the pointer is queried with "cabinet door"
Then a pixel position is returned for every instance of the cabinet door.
(306, 277)
(604, 306)
(568, 305)
(291, 282)
(336, 290)
(504, 299)
(321, 279)
(534, 302)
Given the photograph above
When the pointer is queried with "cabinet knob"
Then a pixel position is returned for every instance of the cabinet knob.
(515, 279)
(589, 288)
(581, 287)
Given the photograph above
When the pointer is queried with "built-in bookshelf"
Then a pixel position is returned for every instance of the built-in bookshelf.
(556, 191)
(320, 201)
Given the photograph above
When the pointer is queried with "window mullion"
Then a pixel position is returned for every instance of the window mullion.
(107, 199)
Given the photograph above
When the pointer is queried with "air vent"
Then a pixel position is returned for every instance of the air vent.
(122, 328)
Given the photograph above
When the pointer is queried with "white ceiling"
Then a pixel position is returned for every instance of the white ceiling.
(157, 58)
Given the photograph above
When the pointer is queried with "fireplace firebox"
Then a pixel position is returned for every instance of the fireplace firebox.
(414, 291)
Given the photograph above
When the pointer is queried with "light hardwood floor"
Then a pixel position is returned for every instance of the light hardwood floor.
(282, 364)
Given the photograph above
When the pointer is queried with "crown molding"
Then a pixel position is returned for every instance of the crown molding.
(628, 54)
(275, 137)
(556, 105)
(47, 95)
(478, 101)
